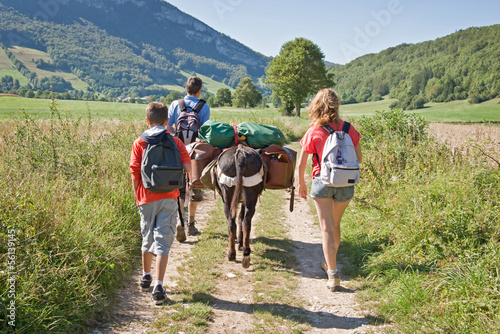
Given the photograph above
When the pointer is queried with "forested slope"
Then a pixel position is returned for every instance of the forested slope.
(463, 65)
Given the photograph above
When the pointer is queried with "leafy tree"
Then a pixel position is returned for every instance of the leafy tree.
(246, 94)
(172, 96)
(224, 97)
(212, 102)
(298, 71)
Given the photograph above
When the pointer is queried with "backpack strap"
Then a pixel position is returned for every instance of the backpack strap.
(182, 105)
(346, 127)
(198, 106)
(328, 128)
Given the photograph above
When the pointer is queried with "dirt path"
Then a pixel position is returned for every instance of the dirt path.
(329, 312)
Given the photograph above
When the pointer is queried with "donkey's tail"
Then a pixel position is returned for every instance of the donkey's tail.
(239, 162)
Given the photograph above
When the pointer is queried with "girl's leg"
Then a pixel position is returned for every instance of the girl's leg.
(330, 214)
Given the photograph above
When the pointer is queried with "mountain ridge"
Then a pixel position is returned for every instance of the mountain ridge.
(155, 30)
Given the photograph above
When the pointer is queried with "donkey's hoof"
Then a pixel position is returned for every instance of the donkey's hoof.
(246, 261)
(231, 256)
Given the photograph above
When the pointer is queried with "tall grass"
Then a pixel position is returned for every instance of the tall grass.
(425, 230)
(66, 194)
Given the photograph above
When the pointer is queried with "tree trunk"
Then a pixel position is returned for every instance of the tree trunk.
(297, 110)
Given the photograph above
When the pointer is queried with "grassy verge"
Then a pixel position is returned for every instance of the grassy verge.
(69, 211)
(424, 231)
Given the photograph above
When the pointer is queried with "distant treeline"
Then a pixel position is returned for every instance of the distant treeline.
(463, 65)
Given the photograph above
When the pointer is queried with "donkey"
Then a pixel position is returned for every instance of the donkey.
(240, 177)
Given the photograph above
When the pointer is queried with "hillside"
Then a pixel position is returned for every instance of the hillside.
(463, 65)
(118, 45)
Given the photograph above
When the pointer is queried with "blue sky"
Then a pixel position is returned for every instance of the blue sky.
(344, 30)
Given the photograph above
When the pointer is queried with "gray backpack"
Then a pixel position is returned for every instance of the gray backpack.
(188, 124)
(340, 165)
(161, 168)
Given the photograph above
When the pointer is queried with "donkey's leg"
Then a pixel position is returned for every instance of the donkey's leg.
(241, 216)
(251, 196)
(227, 195)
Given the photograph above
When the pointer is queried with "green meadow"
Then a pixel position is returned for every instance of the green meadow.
(27, 57)
(455, 112)
(6, 68)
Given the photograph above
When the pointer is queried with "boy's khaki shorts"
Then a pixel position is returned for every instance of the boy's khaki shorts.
(158, 221)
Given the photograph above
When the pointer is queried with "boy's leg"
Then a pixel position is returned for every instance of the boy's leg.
(161, 267)
(147, 260)
(146, 279)
(164, 231)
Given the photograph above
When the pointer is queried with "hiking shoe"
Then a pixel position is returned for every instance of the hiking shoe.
(145, 282)
(159, 295)
(192, 230)
(334, 282)
(181, 234)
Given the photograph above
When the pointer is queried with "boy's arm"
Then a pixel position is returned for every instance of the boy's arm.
(135, 183)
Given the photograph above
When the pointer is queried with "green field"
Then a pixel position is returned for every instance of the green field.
(6, 68)
(10, 107)
(27, 56)
(455, 111)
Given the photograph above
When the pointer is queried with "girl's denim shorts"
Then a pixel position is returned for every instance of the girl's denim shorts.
(338, 194)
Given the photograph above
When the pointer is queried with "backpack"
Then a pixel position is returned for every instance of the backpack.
(188, 124)
(340, 165)
(161, 167)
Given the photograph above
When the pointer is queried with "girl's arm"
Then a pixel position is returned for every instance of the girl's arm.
(358, 153)
(304, 156)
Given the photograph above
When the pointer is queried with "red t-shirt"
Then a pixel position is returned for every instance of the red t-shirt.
(142, 195)
(315, 138)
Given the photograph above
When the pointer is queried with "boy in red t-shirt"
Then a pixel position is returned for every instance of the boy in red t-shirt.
(158, 211)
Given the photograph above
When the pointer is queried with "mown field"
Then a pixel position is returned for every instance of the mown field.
(27, 57)
(421, 239)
